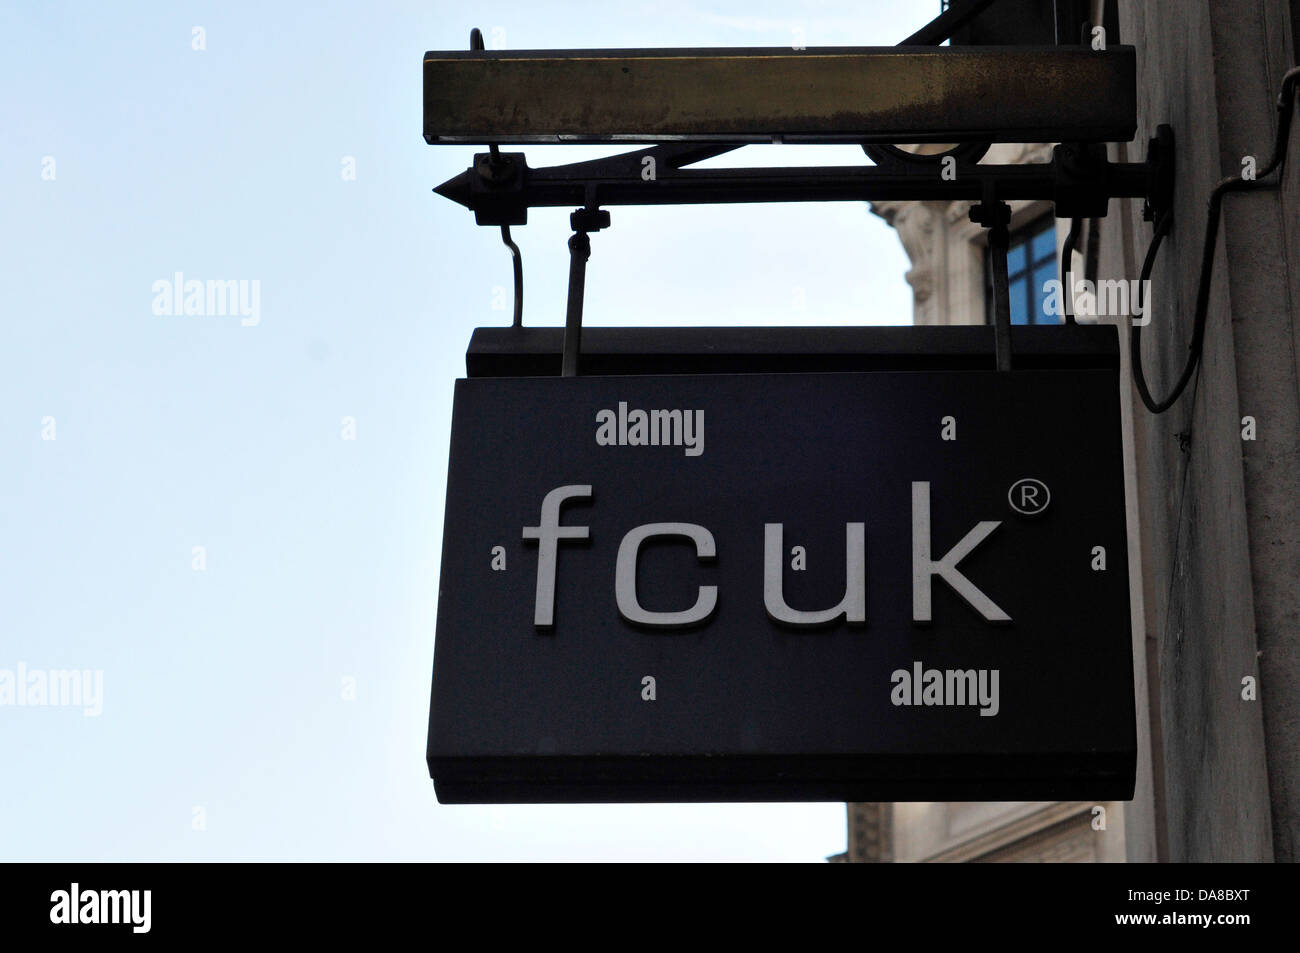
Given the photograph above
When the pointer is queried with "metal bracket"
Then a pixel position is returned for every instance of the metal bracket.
(1161, 170)
(500, 187)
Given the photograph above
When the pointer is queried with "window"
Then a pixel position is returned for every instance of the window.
(1031, 263)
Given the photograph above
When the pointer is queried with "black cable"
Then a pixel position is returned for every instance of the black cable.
(516, 258)
(1092, 256)
(1067, 262)
(1139, 375)
(1286, 109)
(517, 261)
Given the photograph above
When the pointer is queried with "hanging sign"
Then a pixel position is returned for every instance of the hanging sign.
(835, 586)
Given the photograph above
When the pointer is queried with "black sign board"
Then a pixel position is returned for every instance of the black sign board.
(803, 586)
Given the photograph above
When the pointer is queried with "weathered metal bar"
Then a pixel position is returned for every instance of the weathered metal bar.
(617, 181)
(825, 94)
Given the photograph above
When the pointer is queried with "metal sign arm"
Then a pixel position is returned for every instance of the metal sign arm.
(1079, 181)
(1076, 189)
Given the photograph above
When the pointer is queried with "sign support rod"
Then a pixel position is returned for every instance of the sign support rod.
(996, 217)
(584, 220)
(579, 252)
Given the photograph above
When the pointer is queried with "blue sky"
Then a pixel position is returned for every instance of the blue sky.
(224, 732)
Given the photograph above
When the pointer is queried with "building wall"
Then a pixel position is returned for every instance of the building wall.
(1219, 520)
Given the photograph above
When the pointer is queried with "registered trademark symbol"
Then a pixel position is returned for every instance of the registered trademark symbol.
(1029, 496)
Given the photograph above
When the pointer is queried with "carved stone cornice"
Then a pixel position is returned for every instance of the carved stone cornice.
(871, 833)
